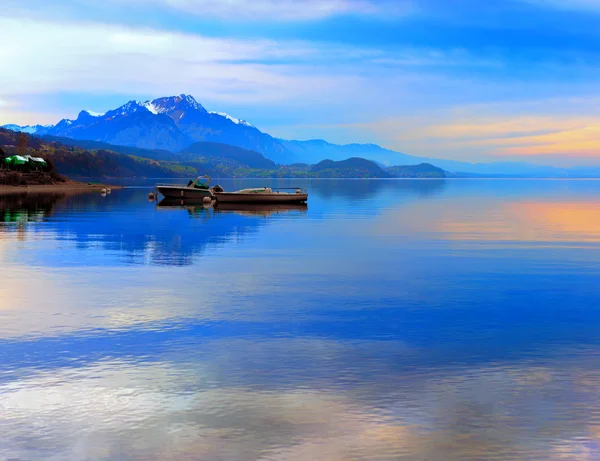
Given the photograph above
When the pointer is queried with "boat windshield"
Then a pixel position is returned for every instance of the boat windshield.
(201, 182)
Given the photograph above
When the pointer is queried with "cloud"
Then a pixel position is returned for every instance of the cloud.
(47, 57)
(524, 135)
(556, 131)
(403, 97)
(285, 10)
(97, 59)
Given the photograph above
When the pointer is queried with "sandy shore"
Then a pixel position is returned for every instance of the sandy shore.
(74, 187)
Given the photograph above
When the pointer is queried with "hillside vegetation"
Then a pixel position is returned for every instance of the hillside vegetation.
(424, 170)
(78, 162)
(354, 167)
(95, 159)
(213, 150)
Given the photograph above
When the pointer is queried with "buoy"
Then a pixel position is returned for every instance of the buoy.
(151, 195)
(103, 191)
(108, 190)
(207, 200)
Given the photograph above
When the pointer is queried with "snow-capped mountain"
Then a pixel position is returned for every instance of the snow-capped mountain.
(29, 129)
(237, 121)
(170, 123)
(176, 122)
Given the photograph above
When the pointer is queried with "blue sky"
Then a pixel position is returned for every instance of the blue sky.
(468, 80)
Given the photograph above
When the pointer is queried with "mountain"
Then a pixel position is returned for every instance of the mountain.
(95, 159)
(29, 129)
(215, 150)
(424, 170)
(154, 154)
(354, 167)
(169, 123)
(85, 159)
(314, 150)
(197, 150)
(198, 124)
(176, 122)
(129, 125)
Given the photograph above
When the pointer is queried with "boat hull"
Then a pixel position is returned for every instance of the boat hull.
(182, 192)
(273, 197)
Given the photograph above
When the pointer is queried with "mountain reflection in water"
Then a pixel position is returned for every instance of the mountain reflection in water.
(388, 320)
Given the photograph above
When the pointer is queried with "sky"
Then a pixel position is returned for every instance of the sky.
(470, 80)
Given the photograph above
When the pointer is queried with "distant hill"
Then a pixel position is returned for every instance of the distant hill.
(155, 154)
(84, 158)
(424, 170)
(315, 150)
(354, 167)
(95, 159)
(77, 162)
(246, 157)
(195, 152)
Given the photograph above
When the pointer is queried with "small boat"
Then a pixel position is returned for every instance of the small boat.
(260, 195)
(199, 189)
(195, 189)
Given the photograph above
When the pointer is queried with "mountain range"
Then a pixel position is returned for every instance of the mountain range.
(169, 123)
(95, 159)
(172, 124)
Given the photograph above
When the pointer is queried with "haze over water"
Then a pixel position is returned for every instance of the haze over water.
(391, 319)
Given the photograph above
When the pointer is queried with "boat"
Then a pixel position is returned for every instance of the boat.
(260, 195)
(195, 189)
(199, 189)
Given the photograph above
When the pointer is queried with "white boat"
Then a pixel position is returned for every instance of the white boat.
(196, 189)
(261, 195)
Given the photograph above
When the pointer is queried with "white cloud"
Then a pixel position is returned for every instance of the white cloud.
(48, 57)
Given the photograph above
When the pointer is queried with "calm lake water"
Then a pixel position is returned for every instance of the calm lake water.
(389, 320)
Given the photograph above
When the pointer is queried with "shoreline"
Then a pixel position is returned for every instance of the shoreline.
(70, 187)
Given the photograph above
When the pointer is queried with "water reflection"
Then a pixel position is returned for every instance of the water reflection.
(366, 190)
(244, 209)
(265, 210)
(25, 207)
(531, 221)
(383, 322)
(202, 407)
(124, 225)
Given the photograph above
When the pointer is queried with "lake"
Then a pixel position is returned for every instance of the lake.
(388, 320)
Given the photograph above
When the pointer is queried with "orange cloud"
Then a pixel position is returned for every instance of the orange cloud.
(525, 135)
(475, 130)
(584, 141)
